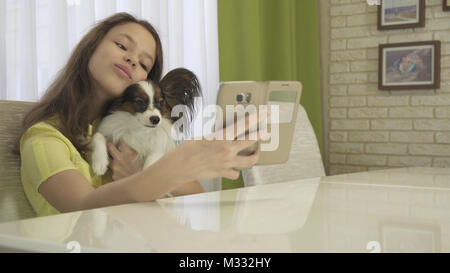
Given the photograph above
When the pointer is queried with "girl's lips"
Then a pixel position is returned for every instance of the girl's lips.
(121, 72)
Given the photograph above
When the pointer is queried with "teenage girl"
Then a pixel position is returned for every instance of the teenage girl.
(54, 142)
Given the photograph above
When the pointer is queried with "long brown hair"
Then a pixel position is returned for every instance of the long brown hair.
(71, 94)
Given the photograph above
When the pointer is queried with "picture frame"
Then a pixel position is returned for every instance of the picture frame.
(394, 14)
(414, 65)
(446, 5)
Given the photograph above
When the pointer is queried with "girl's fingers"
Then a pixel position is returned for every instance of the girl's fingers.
(123, 161)
(250, 140)
(241, 127)
(117, 156)
(240, 145)
(247, 124)
(113, 151)
(231, 174)
(246, 162)
(118, 170)
(125, 148)
(260, 134)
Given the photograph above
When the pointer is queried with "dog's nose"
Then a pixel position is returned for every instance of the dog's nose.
(155, 120)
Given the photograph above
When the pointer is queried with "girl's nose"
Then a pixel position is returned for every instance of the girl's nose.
(130, 61)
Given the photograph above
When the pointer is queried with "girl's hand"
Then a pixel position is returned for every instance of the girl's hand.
(123, 163)
(206, 159)
(218, 158)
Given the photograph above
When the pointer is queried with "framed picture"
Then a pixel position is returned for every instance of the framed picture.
(409, 66)
(446, 5)
(398, 14)
(410, 237)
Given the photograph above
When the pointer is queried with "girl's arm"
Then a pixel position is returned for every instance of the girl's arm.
(124, 165)
(192, 160)
(188, 188)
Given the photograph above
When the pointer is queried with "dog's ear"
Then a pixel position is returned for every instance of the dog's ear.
(159, 101)
(115, 104)
(181, 86)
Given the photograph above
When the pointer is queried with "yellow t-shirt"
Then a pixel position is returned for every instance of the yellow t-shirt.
(44, 152)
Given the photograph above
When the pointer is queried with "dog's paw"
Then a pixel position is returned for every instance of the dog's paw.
(99, 155)
(100, 161)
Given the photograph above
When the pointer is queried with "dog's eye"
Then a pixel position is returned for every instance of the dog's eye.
(140, 102)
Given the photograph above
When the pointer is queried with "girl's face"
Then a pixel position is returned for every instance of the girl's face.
(124, 56)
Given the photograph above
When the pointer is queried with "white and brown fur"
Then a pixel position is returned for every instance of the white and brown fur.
(141, 117)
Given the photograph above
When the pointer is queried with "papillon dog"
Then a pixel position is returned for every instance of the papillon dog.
(142, 118)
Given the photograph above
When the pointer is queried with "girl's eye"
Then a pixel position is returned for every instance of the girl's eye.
(121, 46)
(144, 67)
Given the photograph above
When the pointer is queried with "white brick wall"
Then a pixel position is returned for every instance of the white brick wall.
(371, 129)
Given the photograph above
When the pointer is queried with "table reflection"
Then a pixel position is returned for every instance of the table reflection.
(394, 210)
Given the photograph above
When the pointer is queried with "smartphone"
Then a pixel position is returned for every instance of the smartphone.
(280, 97)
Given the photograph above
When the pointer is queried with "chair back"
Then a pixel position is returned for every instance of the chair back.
(305, 160)
(14, 204)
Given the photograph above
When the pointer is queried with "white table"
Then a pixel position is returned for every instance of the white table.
(405, 209)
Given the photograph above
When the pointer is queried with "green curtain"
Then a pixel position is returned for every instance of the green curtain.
(272, 40)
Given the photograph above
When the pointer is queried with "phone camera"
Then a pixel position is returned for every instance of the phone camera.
(240, 98)
(243, 98)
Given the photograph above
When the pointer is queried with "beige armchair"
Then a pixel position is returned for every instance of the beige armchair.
(13, 203)
(305, 160)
